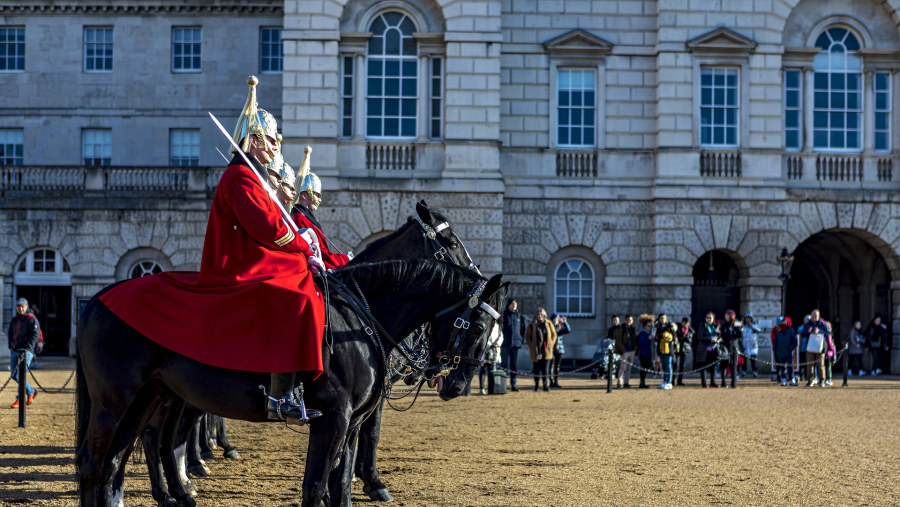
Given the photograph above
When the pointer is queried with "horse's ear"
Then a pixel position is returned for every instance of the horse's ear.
(424, 213)
(492, 286)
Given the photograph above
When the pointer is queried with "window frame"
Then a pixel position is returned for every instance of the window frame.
(84, 133)
(829, 91)
(737, 108)
(580, 297)
(401, 58)
(95, 44)
(179, 161)
(5, 57)
(887, 111)
(153, 268)
(199, 45)
(556, 108)
(348, 95)
(798, 109)
(16, 159)
(279, 45)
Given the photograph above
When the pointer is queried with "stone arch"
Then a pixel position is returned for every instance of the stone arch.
(130, 258)
(428, 15)
(585, 329)
(719, 282)
(807, 18)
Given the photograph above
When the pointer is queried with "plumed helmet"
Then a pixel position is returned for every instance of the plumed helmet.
(312, 186)
(287, 175)
(253, 120)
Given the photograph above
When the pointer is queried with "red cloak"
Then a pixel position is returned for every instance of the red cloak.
(331, 259)
(253, 306)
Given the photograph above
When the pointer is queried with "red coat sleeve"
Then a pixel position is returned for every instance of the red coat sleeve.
(331, 259)
(259, 216)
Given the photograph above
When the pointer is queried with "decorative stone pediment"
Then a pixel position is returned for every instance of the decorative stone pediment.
(721, 40)
(578, 43)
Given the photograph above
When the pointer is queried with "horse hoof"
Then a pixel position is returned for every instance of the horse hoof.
(379, 495)
(198, 470)
(168, 501)
(207, 456)
(232, 454)
(186, 501)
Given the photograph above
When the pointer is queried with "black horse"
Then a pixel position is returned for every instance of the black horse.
(426, 235)
(123, 377)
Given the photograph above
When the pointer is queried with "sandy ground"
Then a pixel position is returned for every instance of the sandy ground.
(760, 444)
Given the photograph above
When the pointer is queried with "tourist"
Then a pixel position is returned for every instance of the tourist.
(645, 348)
(749, 344)
(665, 348)
(705, 355)
(876, 342)
(856, 342)
(730, 333)
(541, 337)
(562, 328)
(784, 343)
(815, 333)
(829, 353)
(626, 346)
(513, 338)
(684, 336)
(24, 334)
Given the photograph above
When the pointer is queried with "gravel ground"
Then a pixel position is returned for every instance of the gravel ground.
(760, 444)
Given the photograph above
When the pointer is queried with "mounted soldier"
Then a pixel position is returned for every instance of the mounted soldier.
(254, 305)
(309, 197)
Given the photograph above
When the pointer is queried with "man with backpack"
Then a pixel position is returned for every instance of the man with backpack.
(24, 334)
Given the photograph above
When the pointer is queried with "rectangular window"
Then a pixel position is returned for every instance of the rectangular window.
(347, 97)
(837, 109)
(96, 147)
(271, 51)
(719, 107)
(11, 142)
(98, 49)
(184, 147)
(185, 49)
(792, 110)
(883, 112)
(391, 95)
(12, 49)
(436, 96)
(576, 108)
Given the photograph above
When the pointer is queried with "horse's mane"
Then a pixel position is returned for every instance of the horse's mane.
(399, 275)
(438, 214)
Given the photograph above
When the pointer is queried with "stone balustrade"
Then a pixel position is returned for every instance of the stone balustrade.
(576, 164)
(837, 170)
(201, 181)
(720, 164)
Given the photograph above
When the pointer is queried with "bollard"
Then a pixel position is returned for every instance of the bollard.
(734, 366)
(845, 361)
(609, 367)
(21, 375)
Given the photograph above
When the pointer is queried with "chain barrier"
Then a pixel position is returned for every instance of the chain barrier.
(52, 390)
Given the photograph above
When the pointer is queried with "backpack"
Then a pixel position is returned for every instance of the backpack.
(39, 347)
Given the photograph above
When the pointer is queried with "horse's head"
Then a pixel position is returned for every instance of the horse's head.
(440, 239)
(460, 334)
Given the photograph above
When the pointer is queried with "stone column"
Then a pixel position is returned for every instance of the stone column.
(808, 86)
(423, 116)
(868, 107)
(359, 110)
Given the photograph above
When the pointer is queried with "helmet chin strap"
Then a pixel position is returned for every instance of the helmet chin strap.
(312, 197)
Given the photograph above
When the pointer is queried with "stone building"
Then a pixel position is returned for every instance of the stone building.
(607, 156)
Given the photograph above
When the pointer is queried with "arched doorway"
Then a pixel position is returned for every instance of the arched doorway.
(716, 286)
(842, 274)
(44, 278)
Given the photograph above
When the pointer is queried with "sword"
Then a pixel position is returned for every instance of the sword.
(285, 216)
(223, 155)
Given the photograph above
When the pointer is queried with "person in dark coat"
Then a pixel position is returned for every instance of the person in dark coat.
(685, 337)
(562, 328)
(513, 338)
(731, 334)
(877, 343)
(784, 343)
(24, 333)
(541, 338)
(705, 355)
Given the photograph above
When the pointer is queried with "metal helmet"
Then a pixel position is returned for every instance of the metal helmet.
(312, 186)
(253, 120)
(287, 175)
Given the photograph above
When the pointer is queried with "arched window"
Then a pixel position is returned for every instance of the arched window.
(144, 268)
(573, 283)
(392, 85)
(837, 104)
(43, 266)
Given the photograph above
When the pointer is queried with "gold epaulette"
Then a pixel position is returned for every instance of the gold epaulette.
(286, 239)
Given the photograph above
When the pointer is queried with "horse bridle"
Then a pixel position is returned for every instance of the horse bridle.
(430, 235)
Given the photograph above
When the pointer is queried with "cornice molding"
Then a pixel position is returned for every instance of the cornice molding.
(144, 7)
(578, 42)
(721, 40)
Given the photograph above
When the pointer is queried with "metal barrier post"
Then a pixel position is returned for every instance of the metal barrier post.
(734, 365)
(22, 376)
(609, 367)
(846, 363)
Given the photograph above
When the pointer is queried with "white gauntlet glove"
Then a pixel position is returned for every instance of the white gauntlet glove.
(315, 265)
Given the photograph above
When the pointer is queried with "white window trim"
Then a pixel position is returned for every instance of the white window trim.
(737, 126)
(259, 53)
(29, 277)
(25, 58)
(799, 108)
(592, 285)
(557, 64)
(85, 43)
(740, 62)
(889, 111)
(420, 75)
(172, 49)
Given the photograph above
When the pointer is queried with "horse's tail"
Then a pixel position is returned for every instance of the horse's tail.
(82, 408)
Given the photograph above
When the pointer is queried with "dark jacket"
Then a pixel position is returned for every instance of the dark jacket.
(685, 337)
(24, 332)
(513, 329)
(703, 339)
(876, 337)
(645, 344)
(817, 324)
(785, 343)
(626, 341)
(731, 335)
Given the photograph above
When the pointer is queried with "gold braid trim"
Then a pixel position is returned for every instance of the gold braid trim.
(286, 239)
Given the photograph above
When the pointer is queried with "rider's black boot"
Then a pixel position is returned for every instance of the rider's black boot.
(287, 406)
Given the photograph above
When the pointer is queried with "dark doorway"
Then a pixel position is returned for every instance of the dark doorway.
(715, 286)
(845, 277)
(53, 307)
